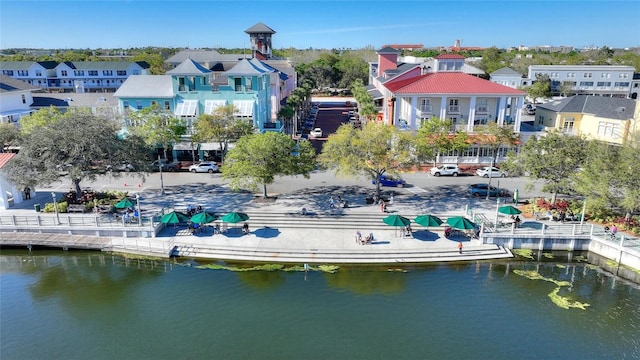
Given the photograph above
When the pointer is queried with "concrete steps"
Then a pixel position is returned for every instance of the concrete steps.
(365, 255)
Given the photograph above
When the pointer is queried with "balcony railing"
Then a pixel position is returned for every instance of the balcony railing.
(454, 109)
(482, 109)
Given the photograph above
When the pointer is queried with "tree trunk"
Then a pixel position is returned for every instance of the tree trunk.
(76, 185)
(264, 191)
(553, 197)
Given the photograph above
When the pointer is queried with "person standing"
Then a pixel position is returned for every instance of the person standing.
(460, 247)
(27, 193)
(614, 230)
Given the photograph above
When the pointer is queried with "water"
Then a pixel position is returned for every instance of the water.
(77, 305)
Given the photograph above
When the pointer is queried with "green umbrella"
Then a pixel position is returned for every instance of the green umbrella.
(509, 210)
(428, 220)
(396, 220)
(173, 217)
(235, 217)
(123, 204)
(461, 222)
(203, 218)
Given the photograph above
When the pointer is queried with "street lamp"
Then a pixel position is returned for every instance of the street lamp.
(139, 210)
(161, 180)
(55, 207)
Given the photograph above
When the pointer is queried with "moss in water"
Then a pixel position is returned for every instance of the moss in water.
(611, 263)
(561, 301)
(564, 302)
(548, 255)
(580, 258)
(560, 266)
(270, 267)
(397, 270)
(525, 253)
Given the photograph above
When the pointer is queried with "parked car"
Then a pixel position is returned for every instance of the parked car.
(209, 167)
(123, 166)
(489, 171)
(388, 180)
(529, 109)
(445, 170)
(482, 189)
(166, 166)
(317, 132)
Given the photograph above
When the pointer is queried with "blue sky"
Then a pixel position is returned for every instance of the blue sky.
(317, 24)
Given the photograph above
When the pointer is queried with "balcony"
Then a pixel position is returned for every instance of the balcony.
(425, 110)
(454, 109)
(482, 109)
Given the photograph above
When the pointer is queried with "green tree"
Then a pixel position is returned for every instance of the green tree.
(258, 158)
(78, 140)
(541, 88)
(372, 151)
(42, 117)
(366, 105)
(553, 158)
(494, 136)
(222, 127)
(9, 135)
(157, 126)
(434, 137)
(287, 114)
(609, 178)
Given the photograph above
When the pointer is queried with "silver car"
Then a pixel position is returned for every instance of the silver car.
(209, 167)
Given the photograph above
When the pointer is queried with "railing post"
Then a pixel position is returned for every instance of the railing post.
(543, 228)
(591, 231)
(573, 230)
(621, 249)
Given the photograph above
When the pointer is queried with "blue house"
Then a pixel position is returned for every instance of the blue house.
(190, 90)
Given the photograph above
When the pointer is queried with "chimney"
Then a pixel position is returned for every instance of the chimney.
(387, 60)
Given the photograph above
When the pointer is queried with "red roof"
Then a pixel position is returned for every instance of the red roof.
(449, 56)
(5, 157)
(449, 83)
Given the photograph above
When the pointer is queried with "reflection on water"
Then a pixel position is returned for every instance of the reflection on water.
(92, 305)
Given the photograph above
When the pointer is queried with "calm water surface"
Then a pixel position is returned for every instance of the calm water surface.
(76, 305)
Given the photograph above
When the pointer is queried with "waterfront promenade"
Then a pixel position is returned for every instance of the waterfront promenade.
(279, 232)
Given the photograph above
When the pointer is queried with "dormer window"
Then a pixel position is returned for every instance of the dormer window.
(238, 84)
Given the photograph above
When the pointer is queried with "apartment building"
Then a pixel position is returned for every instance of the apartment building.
(602, 80)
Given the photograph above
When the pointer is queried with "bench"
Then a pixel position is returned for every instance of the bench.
(76, 208)
(541, 216)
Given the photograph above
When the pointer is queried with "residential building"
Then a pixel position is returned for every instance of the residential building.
(410, 94)
(603, 80)
(9, 193)
(74, 76)
(613, 120)
(509, 77)
(16, 98)
(635, 86)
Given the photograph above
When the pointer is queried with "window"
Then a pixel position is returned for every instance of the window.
(569, 83)
(481, 106)
(63, 73)
(567, 125)
(571, 75)
(153, 102)
(588, 75)
(425, 105)
(607, 129)
(121, 73)
(7, 72)
(78, 72)
(603, 83)
(107, 72)
(238, 84)
(247, 84)
(623, 76)
(622, 84)
(23, 73)
(586, 83)
(167, 105)
(453, 105)
(24, 99)
(181, 84)
(125, 104)
(136, 72)
(93, 72)
(38, 73)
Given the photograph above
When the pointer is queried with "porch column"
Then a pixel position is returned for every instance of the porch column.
(472, 114)
(501, 109)
(413, 121)
(443, 108)
(519, 103)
